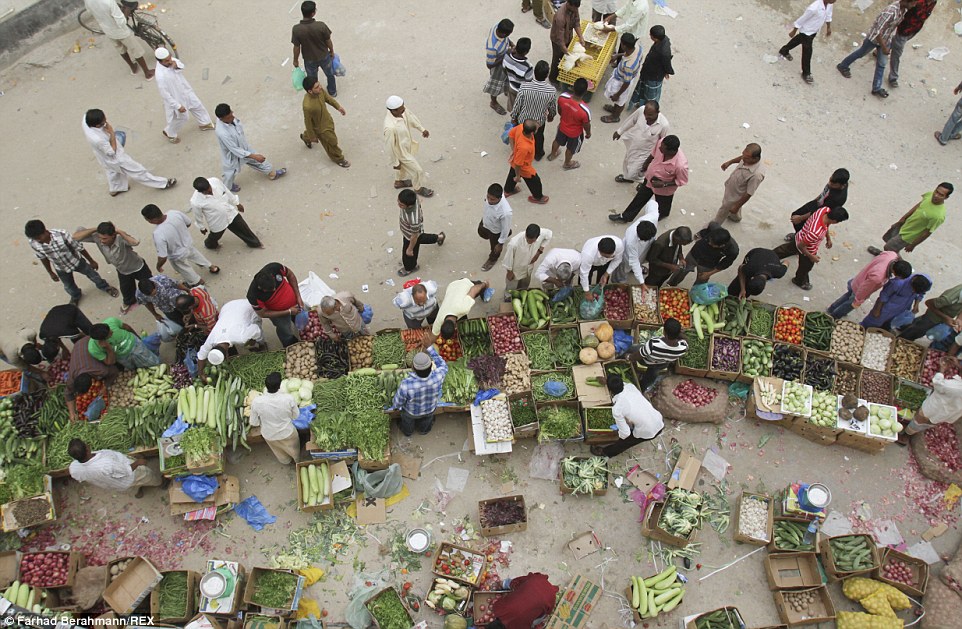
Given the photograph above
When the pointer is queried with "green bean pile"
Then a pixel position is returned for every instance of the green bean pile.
(388, 349)
(364, 392)
(172, 595)
(599, 418)
(329, 395)
(114, 431)
(538, 347)
(253, 368)
(760, 323)
(538, 382)
(558, 422)
(697, 356)
(53, 415)
(57, 456)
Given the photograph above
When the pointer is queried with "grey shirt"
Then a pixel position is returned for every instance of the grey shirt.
(233, 143)
(120, 254)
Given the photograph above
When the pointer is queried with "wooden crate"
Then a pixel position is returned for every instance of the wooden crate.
(593, 70)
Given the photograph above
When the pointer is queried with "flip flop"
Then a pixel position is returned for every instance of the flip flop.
(113, 292)
(938, 138)
(134, 70)
(402, 272)
(488, 265)
(805, 286)
(235, 188)
(609, 108)
(441, 239)
(499, 109)
(170, 139)
(844, 72)
(280, 172)
(510, 194)
(344, 163)
(425, 192)
(552, 157)
(597, 451)
(404, 183)
(543, 22)
(572, 166)
(541, 201)
(214, 269)
(610, 119)
(170, 183)
(881, 93)
(621, 179)
(786, 55)
(808, 78)
(306, 142)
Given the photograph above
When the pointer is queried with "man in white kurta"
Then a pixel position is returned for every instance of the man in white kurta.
(178, 96)
(237, 324)
(235, 150)
(632, 18)
(636, 247)
(558, 268)
(113, 23)
(109, 151)
(275, 411)
(111, 470)
(400, 138)
(217, 209)
(522, 252)
(640, 132)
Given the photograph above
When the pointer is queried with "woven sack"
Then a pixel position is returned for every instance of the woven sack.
(929, 464)
(943, 607)
(673, 408)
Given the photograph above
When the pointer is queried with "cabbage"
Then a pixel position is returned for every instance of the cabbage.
(305, 394)
(293, 384)
(448, 604)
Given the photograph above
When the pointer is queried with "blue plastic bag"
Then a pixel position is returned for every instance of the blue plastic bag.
(485, 395)
(198, 487)
(487, 295)
(94, 409)
(592, 309)
(177, 428)
(940, 332)
(708, 293)
(338, 66)
(555, 388)
(153, 343)
(367, 314)
(562, 294)
(254, 513)
(301, 319)
(622, 341)
(297, 78)
(504, 134)
(121, 137)
(901, 320)
(305, 416)
(190, 361)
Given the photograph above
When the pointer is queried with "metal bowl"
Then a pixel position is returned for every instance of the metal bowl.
(173, 449)
(213, 585)
(418, 540)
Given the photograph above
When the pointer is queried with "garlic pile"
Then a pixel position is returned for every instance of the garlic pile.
(496, 417)
(753, 519)
(875, 353)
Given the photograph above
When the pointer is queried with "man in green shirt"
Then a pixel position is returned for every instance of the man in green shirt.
(945, 308)
(917, 224)
(113, 341)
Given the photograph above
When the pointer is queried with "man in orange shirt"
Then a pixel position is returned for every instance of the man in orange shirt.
(522, 163)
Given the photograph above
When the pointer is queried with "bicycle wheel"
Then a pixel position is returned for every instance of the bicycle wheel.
(155, 37)
(89, 22)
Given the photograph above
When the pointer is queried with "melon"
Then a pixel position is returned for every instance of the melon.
(605, 332)
(590, 341)
(606, 351)
(588, 356)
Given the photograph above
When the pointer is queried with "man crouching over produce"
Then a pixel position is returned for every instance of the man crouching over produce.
(111, 470)
(238, 324)
(459, 298)
(341, 316)
(417, 395)
(275, 412)
(658, 352)
(637, 420)
(532, 597)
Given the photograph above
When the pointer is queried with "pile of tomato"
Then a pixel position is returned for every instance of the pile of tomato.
(789, 324)
(674, 304)
(452, 562)
(97, 389)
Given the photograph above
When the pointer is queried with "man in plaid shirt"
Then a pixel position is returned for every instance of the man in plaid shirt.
(62, 256)
(417, 396)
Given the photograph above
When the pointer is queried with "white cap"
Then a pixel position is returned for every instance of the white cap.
(215, 357)
(393, 102)
(161, 53)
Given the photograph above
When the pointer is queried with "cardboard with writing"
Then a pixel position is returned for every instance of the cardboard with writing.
(132, 586)
(685, 472)
(227, 492)
(575, 604)
(590, 395)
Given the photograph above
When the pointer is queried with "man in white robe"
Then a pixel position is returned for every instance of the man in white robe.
(178, 96)
(402, 144)
(640, 132)
(522, 252)
(109, 150)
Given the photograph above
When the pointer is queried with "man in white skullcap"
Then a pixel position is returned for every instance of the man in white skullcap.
(402, 144)
(238, 324)
(417, 395)
(178, 96)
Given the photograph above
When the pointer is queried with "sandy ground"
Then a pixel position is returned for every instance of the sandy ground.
(321, 218)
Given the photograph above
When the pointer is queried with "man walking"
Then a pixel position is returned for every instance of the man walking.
(216, 209)
(953, 126)
(109, 150)
(411, 222)
(400, 138)
(178, 96)
(117, 249)
(558, 268)
(522, 253)
(909, 27)
(871, 279)
(537, 100)
(517, 68)
(741, 184)
(919, 223)
(495, 223)
(666, 170)
(521, 163)
(275, 411)
(565, 25)
(637, 420)
(62, 256)
(714, 251)
(807, 241)
(665, 256)
(274, 295)
(879, 39)
(340, 316)
(544, 10)
(113, 22)
(758, 267)
(313, 38)
(496, 46)
(418, 303)
(575, 125)
(173, 242)
(318, 121)
(640, 132)
(834, 194)
(818, 14)
(417, 395)
(618, 88)
(655, 70)
(600, 256)
(110, 470)
(236, 151)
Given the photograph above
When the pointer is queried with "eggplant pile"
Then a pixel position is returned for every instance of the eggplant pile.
(787, 362)
(820, 372)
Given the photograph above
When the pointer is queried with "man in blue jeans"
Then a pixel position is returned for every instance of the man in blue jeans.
(62, 256)
(953, 127)
(879, 39)
(313, 38)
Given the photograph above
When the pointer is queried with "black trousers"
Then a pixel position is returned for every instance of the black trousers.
(806, 43)
(239, 228)
(533, 183)
(596, 272)
(409, 422)
(651, 374)
(805, 264)
(621, 445)
(642, 197)
(539, 141)
(919, 327)
(410, 262)
(128, 283)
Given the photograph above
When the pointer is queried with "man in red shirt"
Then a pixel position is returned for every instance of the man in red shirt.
(522, 163)
(575, 125)
(531, 597)
(806, 242)
(274, 295)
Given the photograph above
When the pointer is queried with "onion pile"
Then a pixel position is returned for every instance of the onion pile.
(944, 444)
(898, 571)
(695, 394)
(932, 365)
(313, 330)
(505, 335)
(45, 569)
(617, 304)
(486, 615)
(57, 371)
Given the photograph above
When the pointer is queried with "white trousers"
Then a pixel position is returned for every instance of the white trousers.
(126, 168)
(183, 265)
(177, 119)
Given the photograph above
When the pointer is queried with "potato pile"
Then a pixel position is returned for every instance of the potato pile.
(359, 349)
(301, 361)
(117, 568)
(846, 381)
(517, 376)
(805, 603)
(847, 342)
(121, 393)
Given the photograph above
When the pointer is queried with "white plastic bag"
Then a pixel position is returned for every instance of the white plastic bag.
(313, 289)
(168, 330)
(945, 402)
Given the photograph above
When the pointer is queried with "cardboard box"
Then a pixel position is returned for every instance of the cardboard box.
(9, 567)
(597, 436)
(113, 562)
(370, 510)
(920, 572)
(390, 591)
(568, 490)
(527, 431)
(828, 559)
(479, 598)
(772, 546)
(789, 571)
(776, 383)
(342, 483)
(166, 447)
(251, 587)
(374, 466)
(228, 491)
(132, 586)
(741, 537)
(642, 479)
(213, 463)
(328, 501)
(10, 524)
(862, 443)
(258, 621)
(823, 610)
(651, 530)
(819, 435)
(587, 394)
(75, 561)
(719, 374)
(690, 620)
(685, 472)
(517, 527)
(477, 563)
(191, 608)
(574, 606)
(584, 544)
(229, 604)
(460, 608)
(205, 621)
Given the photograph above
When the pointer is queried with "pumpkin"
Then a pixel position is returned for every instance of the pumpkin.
(606, 351)
(604, 332)
(589, 341)
(453, 621)
(588, 356)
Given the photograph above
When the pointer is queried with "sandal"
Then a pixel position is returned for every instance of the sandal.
(610, 119)
(881, 93)
(113, 292)
(280, 172)
(425, 192)
(499, 109)
(805, 286)
(808, 78)
(786, 55)
(597, 451)
(938, 138)
(214, 269)
(609, 108)
(541, 201)
(621, 179)
(552, 157)
(170, 139)
(344, 163)
(572, 165)
(404, 183)
(844, 72)
(170, 183)
(488, 264)
(125, 308)
(306, 142)
(116, 192)
(235, 188)
(510, 194)
(543, 22)
(441, 239)
(402, 272)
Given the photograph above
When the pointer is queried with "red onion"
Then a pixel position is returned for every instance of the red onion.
(505, 335)
(617, 304)
(44, 569)
(695, 394)
(932, 365)
(944, 444)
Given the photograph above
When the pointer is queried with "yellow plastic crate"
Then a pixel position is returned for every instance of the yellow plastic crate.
(593, 70)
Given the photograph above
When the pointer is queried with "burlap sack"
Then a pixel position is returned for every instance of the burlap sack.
(673, 408)
(952, 573)
(943, 607)
(89, 586)
(929, 464)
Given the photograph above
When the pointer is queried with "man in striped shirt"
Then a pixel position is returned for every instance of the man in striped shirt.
(658, 352)
(806, 242)
(198, 309)
(495, 47)
(536, 100)
(517, 68)
(628, 62)
(879, 39)
(411, 220)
